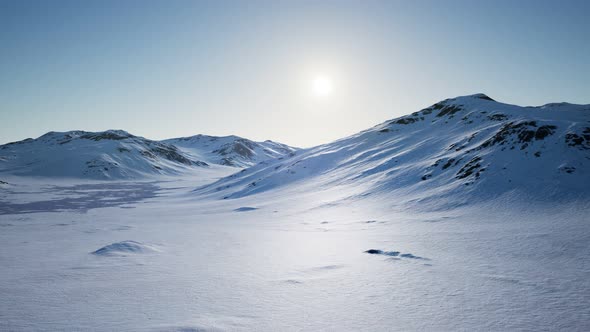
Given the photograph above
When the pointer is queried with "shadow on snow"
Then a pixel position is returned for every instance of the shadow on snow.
(84, 197)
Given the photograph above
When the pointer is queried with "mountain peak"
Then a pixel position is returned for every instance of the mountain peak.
(109, 154)
(479, 96)
(454, 147)
(115, 134)
(231, 150)
(467, 98)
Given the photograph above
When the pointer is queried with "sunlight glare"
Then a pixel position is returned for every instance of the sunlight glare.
(322, 85)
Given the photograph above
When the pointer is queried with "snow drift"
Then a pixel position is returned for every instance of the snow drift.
(124, 248)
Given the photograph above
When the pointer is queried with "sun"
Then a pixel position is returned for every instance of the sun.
(322, 85)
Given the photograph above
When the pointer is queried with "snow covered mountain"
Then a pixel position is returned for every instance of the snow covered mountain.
(230, 150)
(112, 154)
(458, 149)
(366, 233)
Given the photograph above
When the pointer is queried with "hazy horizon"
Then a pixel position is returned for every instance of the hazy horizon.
(300, 73)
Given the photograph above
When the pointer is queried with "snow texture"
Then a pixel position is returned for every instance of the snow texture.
(453, 152)
(387, 230)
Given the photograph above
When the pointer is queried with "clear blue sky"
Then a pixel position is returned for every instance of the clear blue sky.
(164, 69)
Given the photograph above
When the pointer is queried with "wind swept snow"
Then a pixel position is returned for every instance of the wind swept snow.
(467, 215)
(456, 151)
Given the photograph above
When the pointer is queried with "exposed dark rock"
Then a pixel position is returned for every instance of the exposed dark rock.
(581, 141)
(438, 106)
(449, 110)
(110, 135)
(405, 120)
(498, 117)
(573, 139)
(484, 97)
(381, 252)
(524, 131)
(544, 131)
(394, 254)
(426, 111)
(526, 135)
(148, 154)
(471, 167)
(241, 147)
(227, 162)
(448, 163)
(568, 169)
(171, 153)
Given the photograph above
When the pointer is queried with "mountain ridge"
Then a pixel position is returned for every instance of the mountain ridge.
(231, 150)
(468, 144)
(465, 134)
(110, 154)
(117, 154)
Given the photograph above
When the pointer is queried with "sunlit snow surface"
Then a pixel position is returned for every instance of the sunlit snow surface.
(469, 215)
(286, 260)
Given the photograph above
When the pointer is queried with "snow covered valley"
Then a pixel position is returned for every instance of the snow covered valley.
(350, 236)
(294, 263)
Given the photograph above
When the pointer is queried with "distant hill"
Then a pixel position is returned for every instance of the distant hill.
(112, 154)
(230, 150)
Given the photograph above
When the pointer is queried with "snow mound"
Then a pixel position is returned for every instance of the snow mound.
(124, 248)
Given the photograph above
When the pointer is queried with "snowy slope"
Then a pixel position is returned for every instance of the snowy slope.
(149, 257)
(328, 239)
(112, 154)
(459, 149)
(230, 150)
